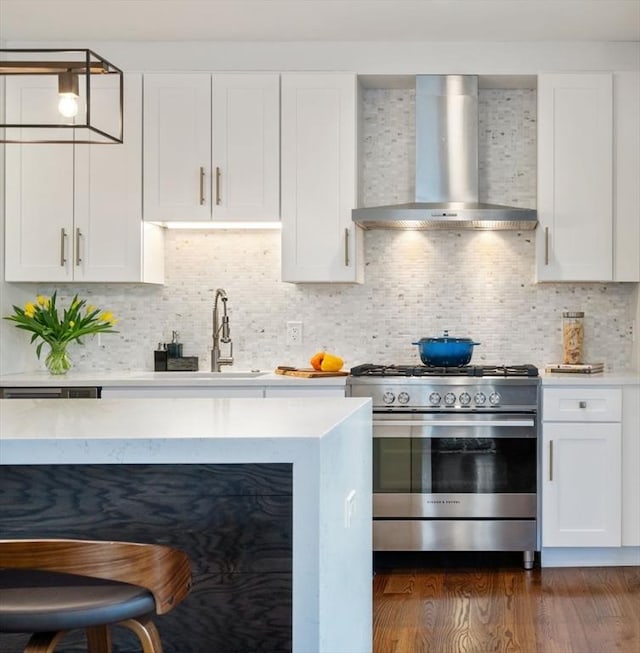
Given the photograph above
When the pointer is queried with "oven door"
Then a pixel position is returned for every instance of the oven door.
(444, 466)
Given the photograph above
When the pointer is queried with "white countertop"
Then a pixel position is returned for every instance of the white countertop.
(170, 419)
(137, 378)
(603, 378)
(237, 378)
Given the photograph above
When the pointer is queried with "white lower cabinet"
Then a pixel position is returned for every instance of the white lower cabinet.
(582, 468)
(182, 391)
(152, 391)
(298, 391)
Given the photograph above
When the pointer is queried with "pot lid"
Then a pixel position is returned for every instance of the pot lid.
(446, 338)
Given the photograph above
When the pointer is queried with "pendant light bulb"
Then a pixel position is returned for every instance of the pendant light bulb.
(68, 106)
(68, 92)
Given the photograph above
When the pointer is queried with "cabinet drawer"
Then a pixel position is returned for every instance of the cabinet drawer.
(582, 405)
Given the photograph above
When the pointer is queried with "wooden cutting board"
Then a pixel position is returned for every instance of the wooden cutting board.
(306, 372)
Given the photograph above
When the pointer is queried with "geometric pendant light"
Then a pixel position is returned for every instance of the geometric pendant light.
(60, 96)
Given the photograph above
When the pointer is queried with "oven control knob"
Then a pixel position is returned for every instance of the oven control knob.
(449, 399)
(480, 399)
(465, 398)
(434, 398)
(403, 397)
(388, 397)
(494, 398)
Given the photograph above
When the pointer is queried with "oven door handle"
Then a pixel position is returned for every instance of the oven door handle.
(458, 422)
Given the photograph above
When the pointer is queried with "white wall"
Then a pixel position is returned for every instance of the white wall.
(370, 58)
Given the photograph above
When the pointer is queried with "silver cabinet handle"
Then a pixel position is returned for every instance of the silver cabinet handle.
(63, 239)
(546, 245)
(218, 174)
(582, 404)
(551, 460)
(202, 175)
(78, 236)
(346, 247)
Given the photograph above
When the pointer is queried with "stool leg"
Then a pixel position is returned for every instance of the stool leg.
(147, 633)
(44, 642)
(98, 639)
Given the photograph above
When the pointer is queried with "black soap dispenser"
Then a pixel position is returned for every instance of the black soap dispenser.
(174, 348)
(160, 358)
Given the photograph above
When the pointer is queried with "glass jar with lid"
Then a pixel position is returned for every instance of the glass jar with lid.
(572, 337)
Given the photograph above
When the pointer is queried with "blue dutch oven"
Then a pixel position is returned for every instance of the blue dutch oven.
(446, 351)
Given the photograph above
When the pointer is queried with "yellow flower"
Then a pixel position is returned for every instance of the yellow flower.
(107, 316)
(42, 300)
(72, 323)
(29, 309)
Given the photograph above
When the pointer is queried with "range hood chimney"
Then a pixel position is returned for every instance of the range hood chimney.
(446, 195)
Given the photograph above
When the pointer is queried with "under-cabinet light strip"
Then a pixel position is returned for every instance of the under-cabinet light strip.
(208, 226)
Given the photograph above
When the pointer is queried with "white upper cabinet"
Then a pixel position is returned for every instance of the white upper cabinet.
(73, 212)
(320, 243)
(575, 137)
(588, 171)
(211, 147)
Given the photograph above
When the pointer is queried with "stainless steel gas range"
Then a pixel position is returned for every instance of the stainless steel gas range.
(455, 457)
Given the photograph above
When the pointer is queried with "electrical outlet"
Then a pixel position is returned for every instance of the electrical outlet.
(349, 508)
(294, 333)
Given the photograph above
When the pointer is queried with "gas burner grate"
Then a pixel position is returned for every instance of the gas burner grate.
(382, 370)
(368, 369)
(509, 370)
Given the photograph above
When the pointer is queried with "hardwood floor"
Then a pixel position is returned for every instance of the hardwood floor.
(506, 610)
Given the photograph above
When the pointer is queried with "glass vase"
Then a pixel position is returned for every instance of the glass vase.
(57, 361)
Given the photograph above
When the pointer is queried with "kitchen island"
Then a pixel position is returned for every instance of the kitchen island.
(323, 445)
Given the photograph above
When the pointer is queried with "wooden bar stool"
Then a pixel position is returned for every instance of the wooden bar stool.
(49, 587)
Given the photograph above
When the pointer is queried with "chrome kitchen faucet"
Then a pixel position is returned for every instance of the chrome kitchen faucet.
(221, 333)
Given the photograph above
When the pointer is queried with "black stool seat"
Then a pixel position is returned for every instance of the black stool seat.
(45, 601)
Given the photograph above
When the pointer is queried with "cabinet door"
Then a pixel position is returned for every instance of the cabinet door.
(108, 194)
(182, 391)
(246, 147)
(177, 147)
(296, 391)
(38, 190)
(581, 490)
(631, 466)
(319, 240)
(626, 203)
(575, 132)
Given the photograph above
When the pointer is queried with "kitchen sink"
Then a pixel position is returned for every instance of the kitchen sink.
(248, 374)
(204, 374)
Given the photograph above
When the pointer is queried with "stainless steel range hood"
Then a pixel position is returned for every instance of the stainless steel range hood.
(446, 166)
